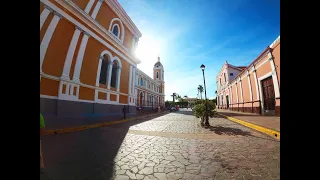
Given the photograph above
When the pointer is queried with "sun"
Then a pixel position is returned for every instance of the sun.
(148, 49)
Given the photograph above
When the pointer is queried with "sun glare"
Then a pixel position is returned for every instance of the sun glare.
(148, 49)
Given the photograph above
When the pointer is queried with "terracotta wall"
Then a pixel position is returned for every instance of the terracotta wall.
(81, 3)
(58, 48)
(264, 67)
(104, 18)
(49, 87)
(45, 26)
(253, 87)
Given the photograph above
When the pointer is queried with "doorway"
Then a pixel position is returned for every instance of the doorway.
(268, 96)
(141, 99)
(227, 99)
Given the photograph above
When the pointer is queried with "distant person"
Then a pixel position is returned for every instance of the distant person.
(124, 112)
(42, 126)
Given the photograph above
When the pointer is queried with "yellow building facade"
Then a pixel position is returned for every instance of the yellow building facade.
(87, 66)
(150, 91)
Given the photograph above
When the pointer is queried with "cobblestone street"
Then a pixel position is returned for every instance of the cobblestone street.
(172, 146)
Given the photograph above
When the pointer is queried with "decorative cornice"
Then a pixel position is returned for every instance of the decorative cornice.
(77, 27)
(274, 42)
(57, 14)
(85, 33)
(47, 7)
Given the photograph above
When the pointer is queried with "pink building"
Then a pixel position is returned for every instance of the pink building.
(254, 88)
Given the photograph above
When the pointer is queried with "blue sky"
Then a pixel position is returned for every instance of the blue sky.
(189, 33)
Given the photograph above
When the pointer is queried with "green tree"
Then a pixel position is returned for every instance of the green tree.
(199, 110)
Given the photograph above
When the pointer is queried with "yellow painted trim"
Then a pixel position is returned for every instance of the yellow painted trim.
(270, 132)
(84, 127)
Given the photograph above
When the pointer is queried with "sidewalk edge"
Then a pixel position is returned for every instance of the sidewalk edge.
(85, 127)
(264, 130)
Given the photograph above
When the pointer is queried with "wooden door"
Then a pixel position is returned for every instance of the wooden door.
(268, 94)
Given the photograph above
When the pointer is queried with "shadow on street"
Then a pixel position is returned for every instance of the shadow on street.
(85, 155)
(228, 131)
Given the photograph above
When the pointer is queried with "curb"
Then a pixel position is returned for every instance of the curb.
(85, 127)
(264, 130)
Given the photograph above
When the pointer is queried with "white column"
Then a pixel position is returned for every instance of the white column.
(230, 93)
(237, 92)
(241, 91)
(89, 6)
(256, 82)
(274, 76)
(109, 75)
(118, 79)
(47, 37)
(133, 79)
(99, 71)
(83, 45)
(96, 9)
(250, 88)
(44, 15)
(70, 54)
(130, 80)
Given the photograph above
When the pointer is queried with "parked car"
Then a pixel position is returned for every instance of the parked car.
(173, 109)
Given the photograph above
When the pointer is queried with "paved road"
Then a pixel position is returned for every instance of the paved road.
(171, 146)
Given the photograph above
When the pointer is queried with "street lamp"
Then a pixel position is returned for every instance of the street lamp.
(205, 94)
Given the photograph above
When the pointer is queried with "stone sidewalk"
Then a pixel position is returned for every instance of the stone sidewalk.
(171, 146)
(271, 122)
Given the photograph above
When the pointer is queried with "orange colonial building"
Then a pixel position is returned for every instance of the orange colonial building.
(255, 88)
(87, 66)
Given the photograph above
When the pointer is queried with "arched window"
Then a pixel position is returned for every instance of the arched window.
(104, 69)
(157, 75)
(115, 70)
(115, 30)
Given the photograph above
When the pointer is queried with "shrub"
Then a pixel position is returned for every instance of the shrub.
(199, 110)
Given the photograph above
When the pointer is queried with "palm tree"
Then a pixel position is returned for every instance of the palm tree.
(200, 89)
(178, 97)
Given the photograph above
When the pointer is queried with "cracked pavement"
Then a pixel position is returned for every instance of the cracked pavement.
(171, 146)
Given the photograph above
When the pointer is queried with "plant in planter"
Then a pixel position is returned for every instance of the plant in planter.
(199, 110)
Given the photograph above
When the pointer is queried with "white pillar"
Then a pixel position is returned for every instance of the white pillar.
(230, 93)
(256, 82)
(250, 88)
(241, 91)
(44, 15)
(274, 76)
(70, 54)
(99, 71)
(130, 80)
(109, 75)
(118, 79)
(133, 79)
(237, 92)
(83, 45)
(96, 9)
(47, 37)
(89, 6)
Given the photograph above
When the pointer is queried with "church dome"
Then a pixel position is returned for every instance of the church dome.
(158, 64)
